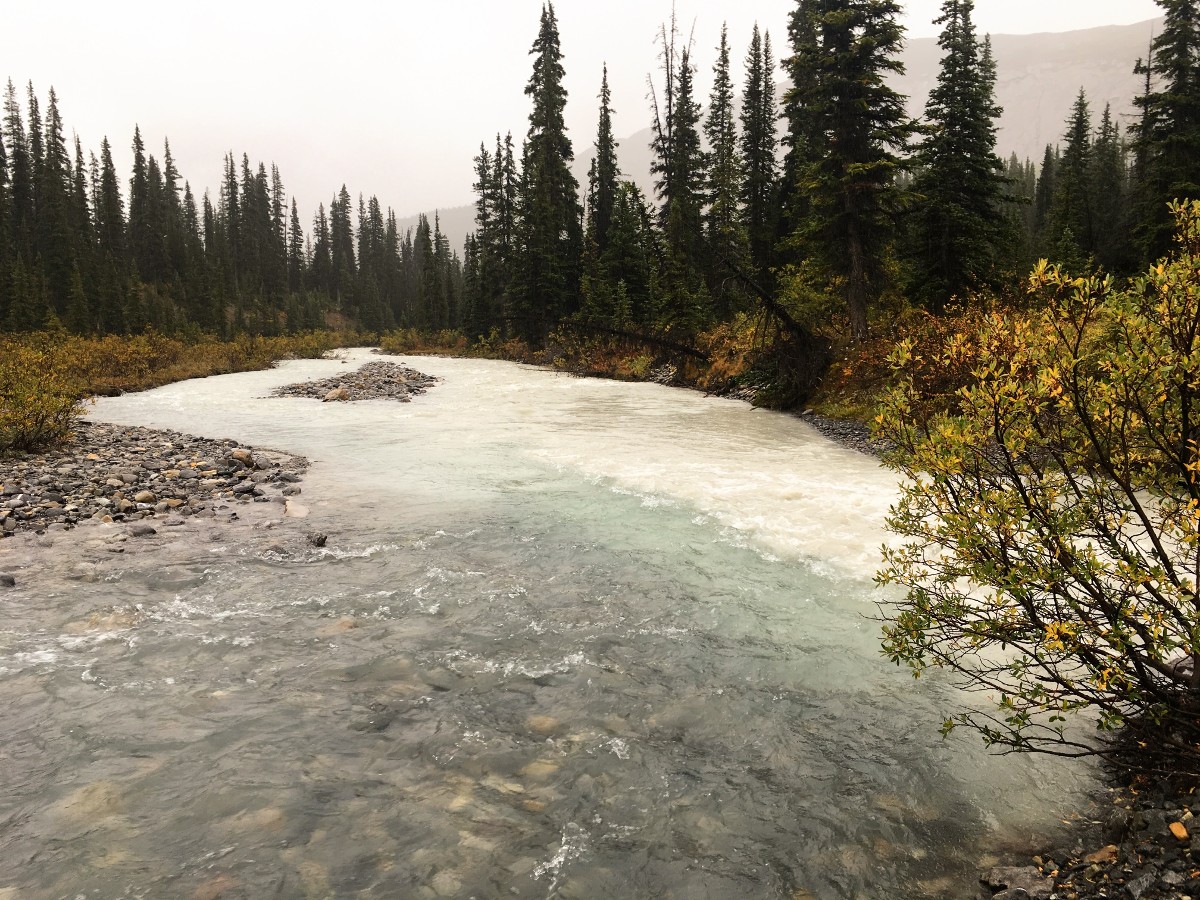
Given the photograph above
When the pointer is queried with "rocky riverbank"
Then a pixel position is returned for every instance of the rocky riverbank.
(847, 432)
(372, 381)
(1136, 844)
(1133, 845)
(113, 474)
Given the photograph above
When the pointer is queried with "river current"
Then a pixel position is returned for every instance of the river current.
(568, 638)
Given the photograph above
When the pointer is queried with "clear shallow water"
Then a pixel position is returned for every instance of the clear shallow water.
(569, 638)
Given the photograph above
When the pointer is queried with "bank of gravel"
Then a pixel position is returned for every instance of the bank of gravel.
(372, 381)
(846, 432)
(115, 474)
(1138, 843)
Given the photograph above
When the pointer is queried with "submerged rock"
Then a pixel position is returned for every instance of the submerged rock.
(1020, 882)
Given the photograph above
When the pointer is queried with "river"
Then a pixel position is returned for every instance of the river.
(568, 638)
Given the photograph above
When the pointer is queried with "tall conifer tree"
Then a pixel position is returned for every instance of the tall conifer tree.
(959, 234)
(1167, 138)
(1108, 185)
(723, 222)
(1071, 219)
(858, 132)
(602, 180)
(546, 272)
(20, 178)
(760, 191)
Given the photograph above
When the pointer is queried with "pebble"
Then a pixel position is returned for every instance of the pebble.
(114, 474)
(847, 432)
(7, 580)
(1147, 854)
(373, 381)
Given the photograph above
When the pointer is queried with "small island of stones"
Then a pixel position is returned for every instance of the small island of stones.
(374, 381)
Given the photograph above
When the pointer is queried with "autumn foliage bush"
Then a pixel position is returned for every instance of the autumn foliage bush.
(45, 376)
(1049, 521)
(39, 403)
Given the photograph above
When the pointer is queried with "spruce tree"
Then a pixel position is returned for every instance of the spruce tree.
(37, 152)
(1070, 227)
(596, 290)
(54, 233)
(801, 138)
(425, 312)
(321, 270)
(546, 270)
(760, 190)
(605, 172)
(175, 229)
(680, 169)
(958, 233)
(20, 180)
(112, 248)
(341, 233)
(726, 234)
(83, 245)
(141, 232)
(1043, 200)
(483, 259)
(1167, 138)
(859, 133)
(1108, 186)
(295, 251)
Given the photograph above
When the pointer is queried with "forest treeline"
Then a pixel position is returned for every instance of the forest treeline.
(83, 249)
(834, 209)
(853, 212)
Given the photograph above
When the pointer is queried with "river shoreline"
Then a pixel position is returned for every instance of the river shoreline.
(1141, 844)
(208, 490)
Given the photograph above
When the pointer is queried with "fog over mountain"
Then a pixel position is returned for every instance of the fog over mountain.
(1038, 78)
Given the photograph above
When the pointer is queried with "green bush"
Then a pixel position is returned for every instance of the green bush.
(1050, 516)
(38, 404)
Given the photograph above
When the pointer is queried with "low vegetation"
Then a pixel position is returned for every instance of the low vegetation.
(1049, 521)
(46, 377)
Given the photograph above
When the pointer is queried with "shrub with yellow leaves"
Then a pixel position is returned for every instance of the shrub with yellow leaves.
(44, 376)
(39, 404)
(1049, 522)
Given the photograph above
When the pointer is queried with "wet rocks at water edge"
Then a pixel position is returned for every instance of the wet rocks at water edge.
(117, 474)
(847, 432)
(1144, 845)
(373, 381)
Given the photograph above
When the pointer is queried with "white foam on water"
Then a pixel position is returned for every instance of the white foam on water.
(767, 476)
(575, 843)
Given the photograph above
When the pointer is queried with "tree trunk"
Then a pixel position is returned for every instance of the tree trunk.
(856, 285)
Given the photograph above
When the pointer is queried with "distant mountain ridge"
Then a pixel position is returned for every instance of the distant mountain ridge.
(1038, 78)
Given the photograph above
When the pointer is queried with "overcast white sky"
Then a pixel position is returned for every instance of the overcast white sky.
(391, 98)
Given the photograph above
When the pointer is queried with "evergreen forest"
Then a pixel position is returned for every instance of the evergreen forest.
(798, 214)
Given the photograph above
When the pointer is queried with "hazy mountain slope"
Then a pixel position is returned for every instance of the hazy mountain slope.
(1038, 77)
